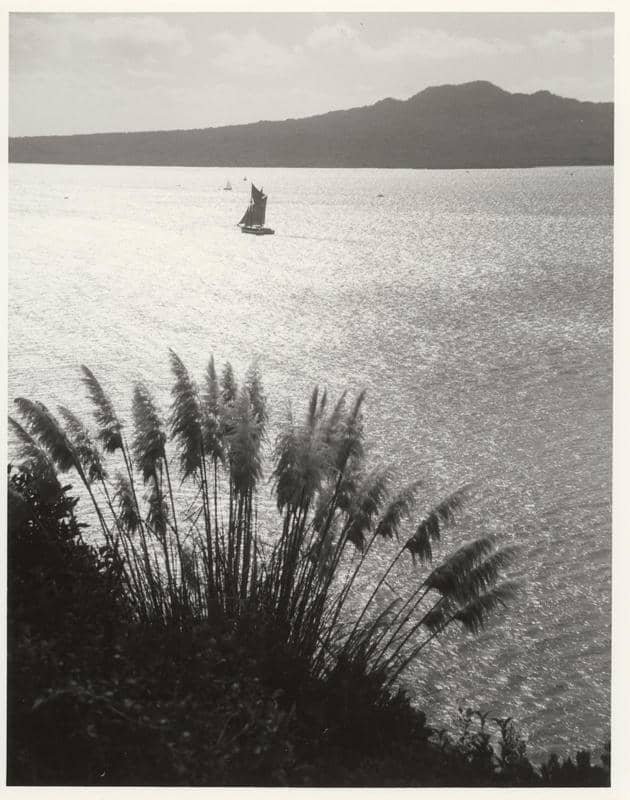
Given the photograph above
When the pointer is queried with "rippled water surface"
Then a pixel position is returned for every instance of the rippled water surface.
(475, 307)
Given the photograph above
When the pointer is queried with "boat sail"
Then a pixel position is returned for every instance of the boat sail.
(253, 220)
(227, 187)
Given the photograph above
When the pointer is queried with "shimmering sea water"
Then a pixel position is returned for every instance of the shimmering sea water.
(475, 307)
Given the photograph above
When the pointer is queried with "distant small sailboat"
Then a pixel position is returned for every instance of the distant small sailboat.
(227, 187)
(253, 220)
(245, 178)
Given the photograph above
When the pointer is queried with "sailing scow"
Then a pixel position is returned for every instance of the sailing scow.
(253, 220)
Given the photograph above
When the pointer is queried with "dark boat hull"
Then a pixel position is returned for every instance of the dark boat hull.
(257, 230)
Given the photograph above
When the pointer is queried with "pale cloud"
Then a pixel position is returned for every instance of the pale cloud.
(148, 31)
(59, 38)
(572, 41)
(146, 74)
(413, 45)
(331, 34)
(438, 45)
(250, 54)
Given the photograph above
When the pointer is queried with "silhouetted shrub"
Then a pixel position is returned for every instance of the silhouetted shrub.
(205, 656)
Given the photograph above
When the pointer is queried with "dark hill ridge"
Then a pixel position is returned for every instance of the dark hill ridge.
(462, 126)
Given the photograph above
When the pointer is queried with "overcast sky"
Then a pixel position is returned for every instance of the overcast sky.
(79, 73)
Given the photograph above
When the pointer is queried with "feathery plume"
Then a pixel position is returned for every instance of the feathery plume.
(475, 614)
(430, 528)
(229, 387)
(109, 426)
(125, 500)
(149, 437)
(399, 509)
(371, 493)
(254, 387)
(244, 442)
(33, 457)
(211, 416)
(86, 450)
(185, 418)
(45, 428)
(449, 578)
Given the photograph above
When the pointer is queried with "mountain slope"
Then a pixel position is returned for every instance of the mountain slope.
(464, 126)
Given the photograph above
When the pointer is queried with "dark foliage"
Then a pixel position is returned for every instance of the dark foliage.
(65, 604)
(99, 698)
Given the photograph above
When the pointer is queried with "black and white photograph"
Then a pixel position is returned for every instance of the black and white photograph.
(310, 399)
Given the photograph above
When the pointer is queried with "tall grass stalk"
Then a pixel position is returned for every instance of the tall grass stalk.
(186, 560)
